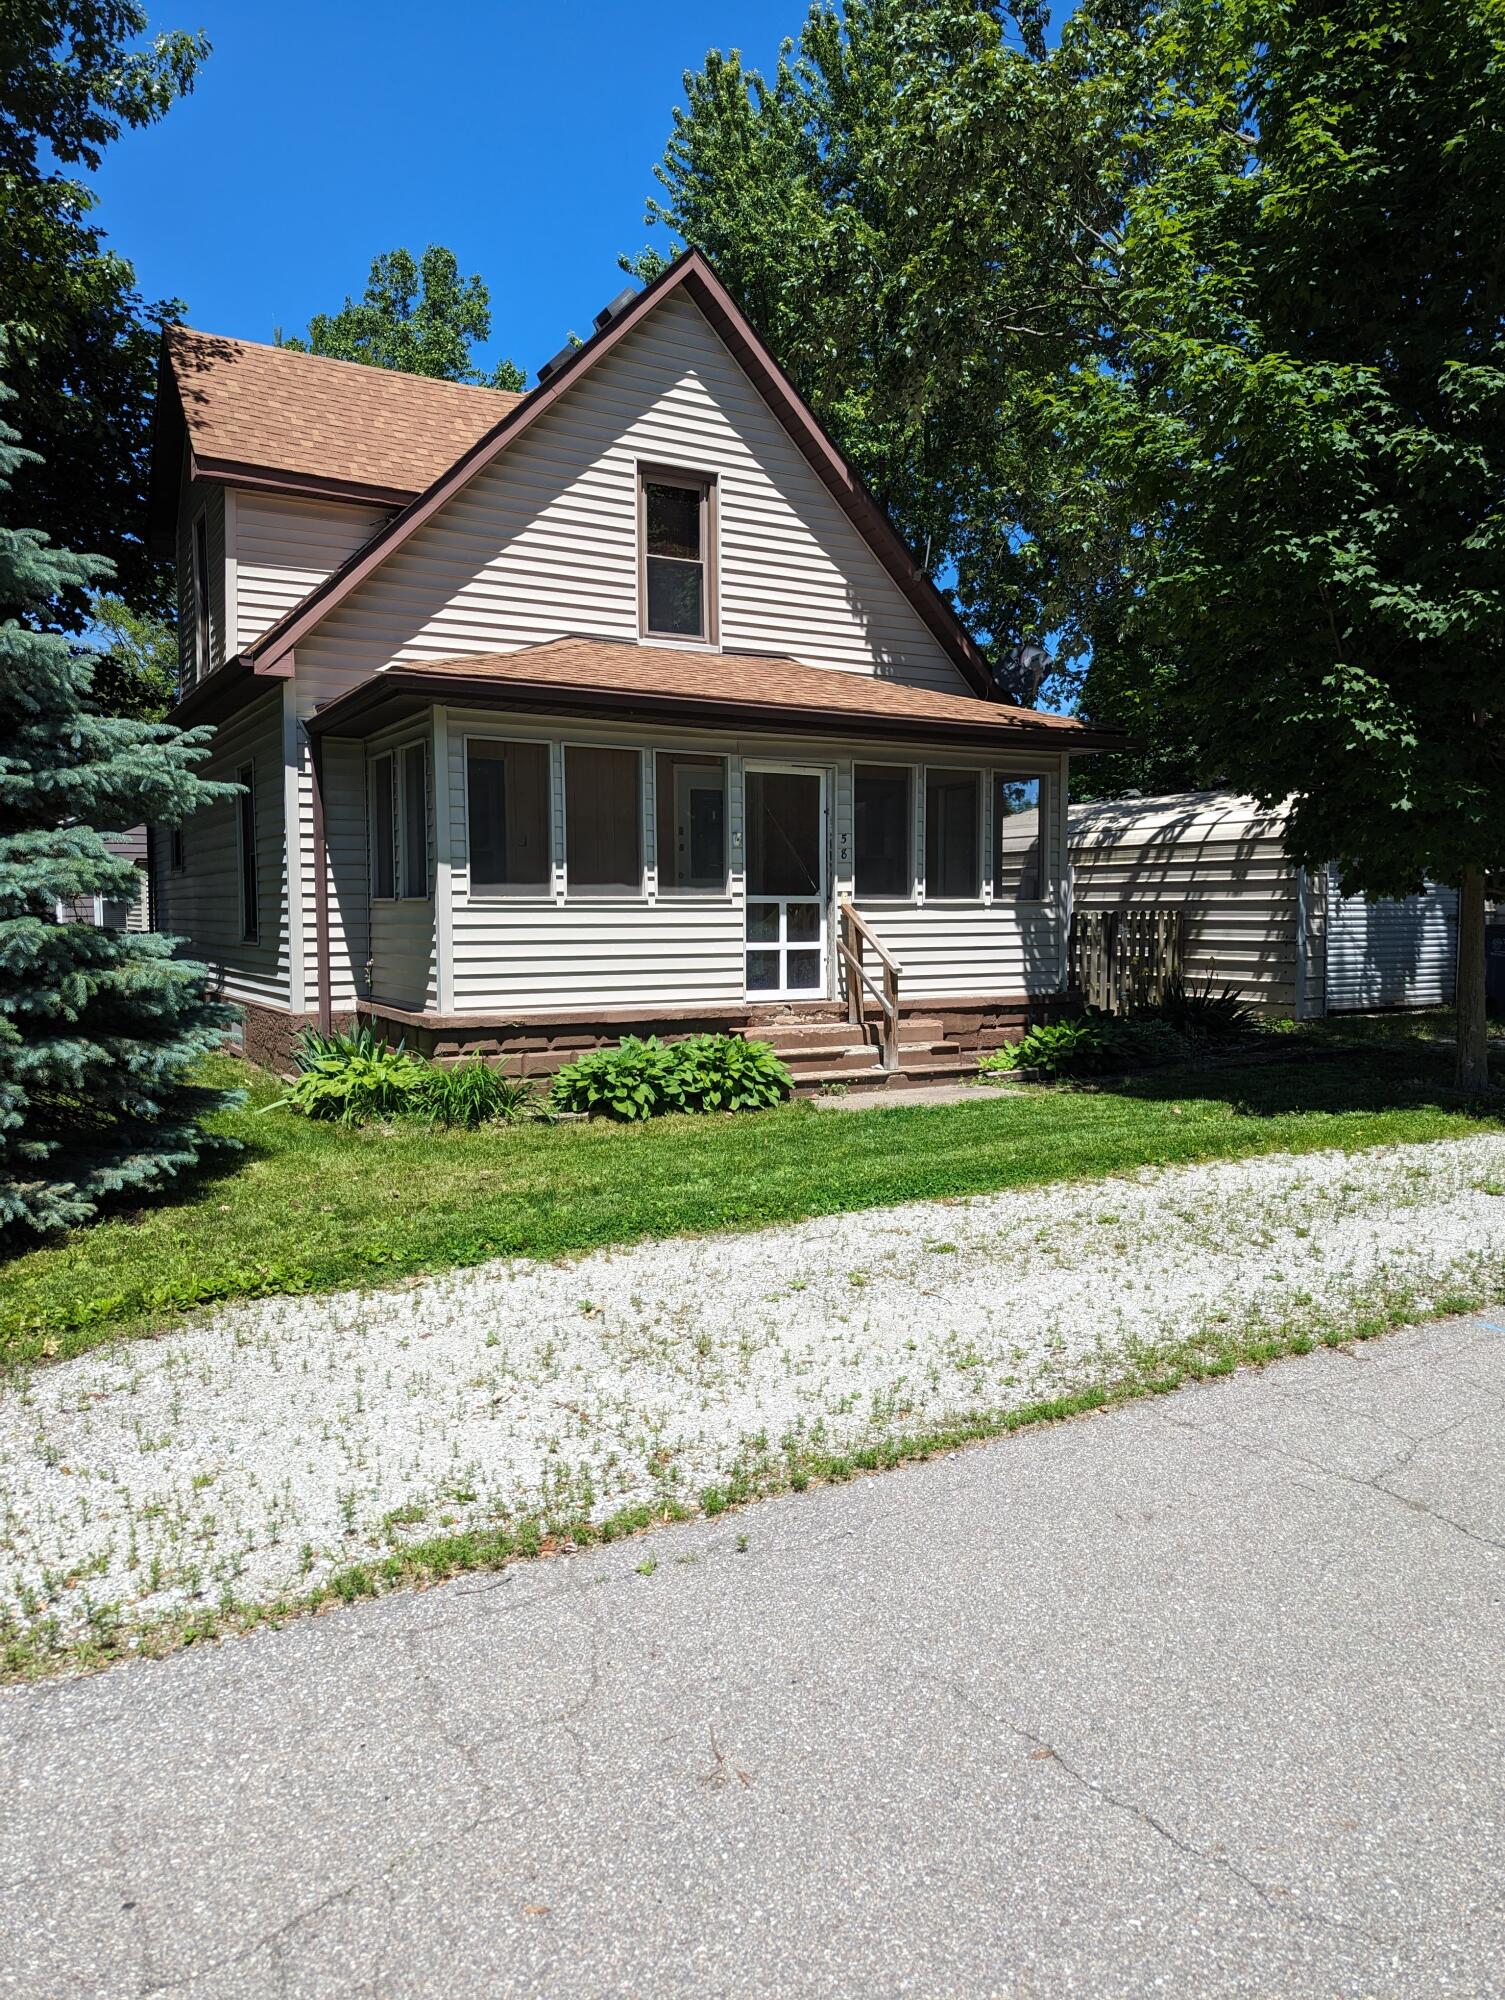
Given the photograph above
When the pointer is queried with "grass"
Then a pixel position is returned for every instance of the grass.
(1202, 1356)
(310, 1207)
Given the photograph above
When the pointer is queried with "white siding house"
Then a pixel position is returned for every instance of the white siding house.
(626, 707)
(1285, 938)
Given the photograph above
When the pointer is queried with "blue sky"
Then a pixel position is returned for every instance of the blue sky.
(522, 136)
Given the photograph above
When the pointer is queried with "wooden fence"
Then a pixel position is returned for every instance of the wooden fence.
(1122, 960)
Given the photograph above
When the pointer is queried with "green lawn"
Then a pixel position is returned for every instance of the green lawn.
(310, 1207)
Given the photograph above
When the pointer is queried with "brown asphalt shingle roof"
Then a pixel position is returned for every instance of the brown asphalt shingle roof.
(270, 411)
(723, 682)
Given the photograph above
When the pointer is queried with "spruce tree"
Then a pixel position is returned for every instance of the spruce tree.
(100, 1030)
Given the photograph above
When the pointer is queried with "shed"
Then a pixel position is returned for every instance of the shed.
(1284, 937)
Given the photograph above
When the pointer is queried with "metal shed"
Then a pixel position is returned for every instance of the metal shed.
(1284, 937)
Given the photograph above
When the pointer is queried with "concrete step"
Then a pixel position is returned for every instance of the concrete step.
(823, 1034)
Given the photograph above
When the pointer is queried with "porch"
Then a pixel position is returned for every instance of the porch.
(546, 850)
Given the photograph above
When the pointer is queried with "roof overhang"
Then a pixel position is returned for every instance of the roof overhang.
(397, 695)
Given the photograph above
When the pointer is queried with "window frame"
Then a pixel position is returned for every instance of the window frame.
(247, 856)
(915, 774)
(705, 484)
(521, 892)
(606, 892)
(203, 608)
(177, 850)
(1045, 812)
(979, 774)
(405, 893)
(374, 764)
(692, 760)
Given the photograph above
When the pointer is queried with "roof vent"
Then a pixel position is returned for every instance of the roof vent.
(613, 307)
(556, 361)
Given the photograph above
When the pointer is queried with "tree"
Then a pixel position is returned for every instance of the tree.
(138, 674)
(909, 212)
(1307, 415)
(418, 317)
(82, 342)
(99, 1030)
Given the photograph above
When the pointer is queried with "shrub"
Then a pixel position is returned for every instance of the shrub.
(1059, 1048)
(353, 1077)
(730, 1073)
(1146, 1042)
(474, 1093)
(1204, 1016)
(643, 1079)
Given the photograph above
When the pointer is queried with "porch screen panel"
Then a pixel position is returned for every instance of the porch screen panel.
(603, 819)
(415, 821)
(882, 822)
(1018, 853)
(507, 817)
(952, 857)
(783, 834)
(690, 815)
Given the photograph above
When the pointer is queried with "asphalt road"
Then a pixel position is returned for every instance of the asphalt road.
(1206, 1696)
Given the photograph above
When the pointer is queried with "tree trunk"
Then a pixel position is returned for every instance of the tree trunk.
(1473, 1029)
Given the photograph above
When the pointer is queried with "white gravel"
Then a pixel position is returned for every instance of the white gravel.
(253, 1452)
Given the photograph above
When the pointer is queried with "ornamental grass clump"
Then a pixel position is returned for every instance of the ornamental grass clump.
(643, 1078)
(476, 1093)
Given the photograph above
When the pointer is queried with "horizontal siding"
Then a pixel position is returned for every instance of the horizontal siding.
(201, 902)
(545, 541)
(1391, 953)
(1226, 871)
(284, 548)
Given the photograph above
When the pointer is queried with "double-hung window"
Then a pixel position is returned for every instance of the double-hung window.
(676, 536)
(245, 842)
(202, 629)
(400, 824)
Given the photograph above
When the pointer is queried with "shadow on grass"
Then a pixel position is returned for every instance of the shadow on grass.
(1320, 1078)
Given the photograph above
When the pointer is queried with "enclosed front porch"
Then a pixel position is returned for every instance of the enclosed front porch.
(885, 900)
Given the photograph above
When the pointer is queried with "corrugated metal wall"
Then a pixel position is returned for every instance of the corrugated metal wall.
(1391, 954)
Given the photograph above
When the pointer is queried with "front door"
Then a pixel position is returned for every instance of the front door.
(786, 883)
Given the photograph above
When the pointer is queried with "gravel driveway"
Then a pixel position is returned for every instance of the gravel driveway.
(254, 1452)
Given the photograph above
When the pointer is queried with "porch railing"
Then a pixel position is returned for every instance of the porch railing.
(852, 937)
(1122, 960)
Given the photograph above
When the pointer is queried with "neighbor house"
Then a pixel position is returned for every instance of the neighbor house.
(612, 707)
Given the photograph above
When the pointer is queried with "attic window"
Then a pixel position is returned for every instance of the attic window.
(676, 534)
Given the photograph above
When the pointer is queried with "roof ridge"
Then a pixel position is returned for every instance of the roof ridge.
(178, 327)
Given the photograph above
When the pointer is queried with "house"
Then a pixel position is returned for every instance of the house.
(106, 912)
(1286, 938)
(615, 707)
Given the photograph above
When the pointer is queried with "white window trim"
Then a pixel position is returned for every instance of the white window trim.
(519, 893)
(201, 646)
(374, 761)
(648, 470)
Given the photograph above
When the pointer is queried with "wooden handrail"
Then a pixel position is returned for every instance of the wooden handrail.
(853, 936)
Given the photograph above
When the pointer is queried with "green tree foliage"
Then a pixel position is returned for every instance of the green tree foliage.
(1307, 417)
(1179, 345)
(909, 216)
(418, 316)
(137, 673)
(83, 343)
(99, 1029)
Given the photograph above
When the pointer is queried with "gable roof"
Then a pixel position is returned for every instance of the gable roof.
(692, 275)
(269, 416)
(744, 690)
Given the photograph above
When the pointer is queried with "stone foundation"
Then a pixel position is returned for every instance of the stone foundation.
(269, 1035)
